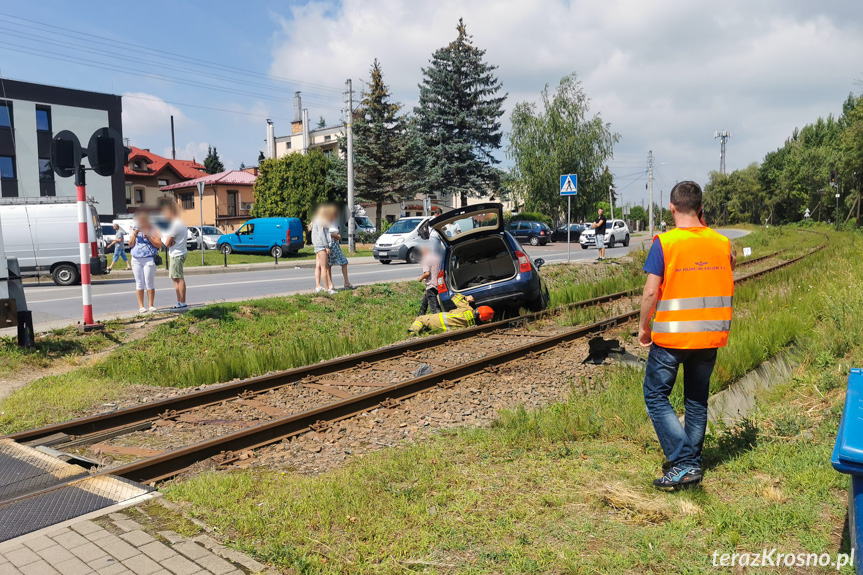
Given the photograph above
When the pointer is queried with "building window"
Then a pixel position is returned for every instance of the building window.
(163, 183)
(46, 173)
(289, 144)
(232, 203)
(43, 119)
(7, 167)
(188, 201)
(327, 138)
(139, 195)
(5, 114)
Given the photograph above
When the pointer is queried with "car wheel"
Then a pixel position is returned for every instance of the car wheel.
(276, 251)
(385, 262)
(226, 249)
(534, 241)
(626, 241)
(611, 241)
(584, 246)
(413, 256)
(66, 275)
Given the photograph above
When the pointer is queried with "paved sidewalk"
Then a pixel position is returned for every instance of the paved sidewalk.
(121, 547)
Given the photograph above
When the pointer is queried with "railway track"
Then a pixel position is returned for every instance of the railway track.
(284, 425)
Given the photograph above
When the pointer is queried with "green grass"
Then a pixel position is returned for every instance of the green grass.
(63, 343)
(216, 258)
(565, 489)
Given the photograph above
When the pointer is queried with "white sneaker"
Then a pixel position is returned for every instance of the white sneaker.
(142, 310)
(152, 309)
(319, 289)
(331, 291)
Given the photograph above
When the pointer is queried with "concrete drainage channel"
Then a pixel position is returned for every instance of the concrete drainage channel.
(738, 400)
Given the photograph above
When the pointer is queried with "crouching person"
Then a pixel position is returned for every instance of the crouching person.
(462, 316)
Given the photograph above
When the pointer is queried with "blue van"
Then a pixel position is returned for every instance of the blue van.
(276, 236)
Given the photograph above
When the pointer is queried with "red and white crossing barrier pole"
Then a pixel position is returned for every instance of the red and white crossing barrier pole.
(84, 248)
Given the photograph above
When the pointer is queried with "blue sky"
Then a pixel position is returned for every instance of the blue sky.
(666, 74)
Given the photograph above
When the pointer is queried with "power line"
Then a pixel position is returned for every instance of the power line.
(111, 68)
(100, 52)
(159, 53)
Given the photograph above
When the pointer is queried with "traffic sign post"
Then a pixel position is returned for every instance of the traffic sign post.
(200, 186)
(106, 154)
(568, 188)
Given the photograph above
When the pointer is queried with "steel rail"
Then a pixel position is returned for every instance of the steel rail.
(169, 464)
(114, 420)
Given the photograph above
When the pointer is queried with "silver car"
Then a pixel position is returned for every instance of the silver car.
(211, 237)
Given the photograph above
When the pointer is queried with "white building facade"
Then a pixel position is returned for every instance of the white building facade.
(30, 116)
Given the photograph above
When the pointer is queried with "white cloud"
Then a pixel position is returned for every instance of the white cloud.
(666, 73)
(145, 115)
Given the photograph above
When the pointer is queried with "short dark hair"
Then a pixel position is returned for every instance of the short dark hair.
(686, 197)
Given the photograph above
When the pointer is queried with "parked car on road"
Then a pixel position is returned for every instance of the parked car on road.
(401, 242)
(43, 234)
(275, 236)
(559, 235)
(616, 231)
(486, 262)
(211, 237)
(531, 232)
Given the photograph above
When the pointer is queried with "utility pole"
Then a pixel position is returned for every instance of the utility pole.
(650, 191)
(723, 137)
(660, 206)
(611, 200)
(349, 134)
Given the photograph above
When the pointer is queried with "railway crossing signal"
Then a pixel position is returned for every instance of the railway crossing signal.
(106, 155)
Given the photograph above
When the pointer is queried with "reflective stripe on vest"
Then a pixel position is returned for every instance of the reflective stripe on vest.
(443, 322)
(697, 291)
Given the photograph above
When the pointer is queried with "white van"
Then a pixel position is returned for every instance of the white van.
(401, 242)
(43, 234)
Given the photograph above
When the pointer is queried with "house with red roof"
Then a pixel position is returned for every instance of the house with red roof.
(227, 201)
(146, 173)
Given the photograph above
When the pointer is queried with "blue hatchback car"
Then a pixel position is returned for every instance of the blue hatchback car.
(481, 259)
(275, 236)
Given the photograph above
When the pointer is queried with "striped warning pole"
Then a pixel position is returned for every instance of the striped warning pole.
(84, 248)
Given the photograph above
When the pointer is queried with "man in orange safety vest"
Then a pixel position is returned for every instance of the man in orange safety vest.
(690, 286)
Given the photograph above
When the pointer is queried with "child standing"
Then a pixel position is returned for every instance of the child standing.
(431, 263)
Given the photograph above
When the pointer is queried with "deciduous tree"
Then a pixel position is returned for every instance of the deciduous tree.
(292, 186)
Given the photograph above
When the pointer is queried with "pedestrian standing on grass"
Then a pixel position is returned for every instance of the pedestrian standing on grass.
(119, 243)
(599, 230)
(690, 286)
(336, 256)
(175, 240)
(321, 243)
(144, 242)
(431, 263)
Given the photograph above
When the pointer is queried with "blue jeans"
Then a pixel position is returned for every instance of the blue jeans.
(681, 444)
(119, 252)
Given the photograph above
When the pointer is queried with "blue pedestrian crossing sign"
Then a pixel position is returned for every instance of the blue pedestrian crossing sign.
(569, 185)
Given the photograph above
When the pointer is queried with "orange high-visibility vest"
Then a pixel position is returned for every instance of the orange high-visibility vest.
(694, 306)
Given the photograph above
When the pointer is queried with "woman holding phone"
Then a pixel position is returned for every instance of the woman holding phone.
(144, 244)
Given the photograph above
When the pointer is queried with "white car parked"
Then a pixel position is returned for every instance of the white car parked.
(616, 231)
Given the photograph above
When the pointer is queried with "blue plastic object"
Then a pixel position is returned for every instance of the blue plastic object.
(848, 458)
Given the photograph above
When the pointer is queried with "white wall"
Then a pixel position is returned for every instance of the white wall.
(82, 122)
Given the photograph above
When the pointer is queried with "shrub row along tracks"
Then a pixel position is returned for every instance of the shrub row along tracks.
(225, 448)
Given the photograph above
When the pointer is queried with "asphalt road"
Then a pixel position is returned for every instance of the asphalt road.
(55, 306)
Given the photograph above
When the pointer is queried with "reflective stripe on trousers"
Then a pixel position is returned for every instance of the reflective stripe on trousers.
(685, 303)
(691, 326)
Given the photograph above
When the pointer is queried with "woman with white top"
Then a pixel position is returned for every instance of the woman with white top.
(144, 244)
(320, 231)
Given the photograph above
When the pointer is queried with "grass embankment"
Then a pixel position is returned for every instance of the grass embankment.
(242, 339)
(216, 258)
(565, 489)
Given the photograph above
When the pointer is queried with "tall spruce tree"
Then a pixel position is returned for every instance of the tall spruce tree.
(212, 163)
(458, 116)
(382, 147)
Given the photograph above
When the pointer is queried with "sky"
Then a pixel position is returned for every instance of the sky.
(665, 74)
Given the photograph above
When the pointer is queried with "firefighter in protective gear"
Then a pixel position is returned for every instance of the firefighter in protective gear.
(462, 316)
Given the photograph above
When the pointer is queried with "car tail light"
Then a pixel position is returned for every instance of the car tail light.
(542, 233)
(441, 283)
(523, 263)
